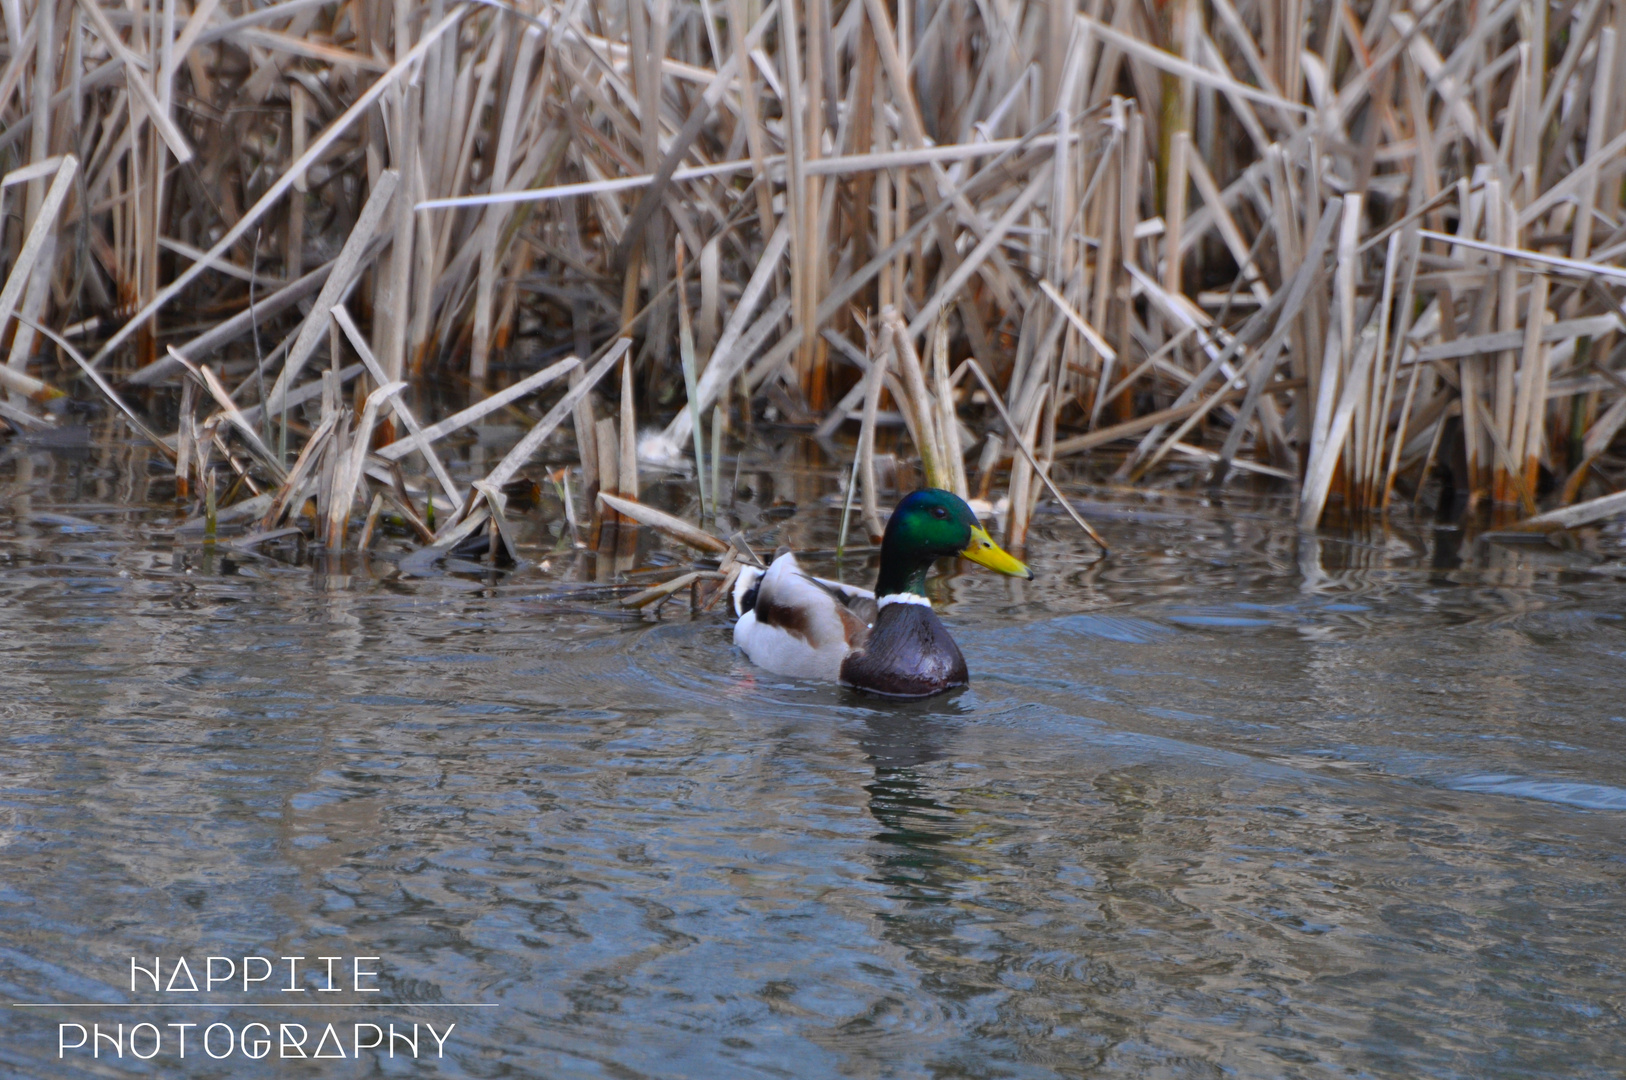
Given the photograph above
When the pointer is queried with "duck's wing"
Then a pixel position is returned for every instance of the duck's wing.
(851, 592)
(856, 607)
(793, 625)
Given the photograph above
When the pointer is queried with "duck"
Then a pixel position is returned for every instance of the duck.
(887, 641)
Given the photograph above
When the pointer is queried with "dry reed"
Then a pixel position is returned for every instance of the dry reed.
(1346, 246)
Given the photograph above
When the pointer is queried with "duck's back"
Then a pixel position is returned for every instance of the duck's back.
(908, 654)
(792, 624)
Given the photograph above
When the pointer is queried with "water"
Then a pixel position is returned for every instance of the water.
(1230, 803)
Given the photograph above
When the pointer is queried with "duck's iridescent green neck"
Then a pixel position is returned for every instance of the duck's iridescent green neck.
(902, 570)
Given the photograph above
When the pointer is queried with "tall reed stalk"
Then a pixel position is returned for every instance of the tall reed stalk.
(1343, 246)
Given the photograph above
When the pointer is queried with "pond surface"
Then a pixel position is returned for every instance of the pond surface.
(1228, 803)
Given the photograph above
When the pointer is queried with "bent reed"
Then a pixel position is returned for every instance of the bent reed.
(1347, 248)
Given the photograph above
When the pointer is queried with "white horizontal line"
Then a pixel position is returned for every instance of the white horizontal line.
(254, 1005)
(830, 166)
(1576, 266)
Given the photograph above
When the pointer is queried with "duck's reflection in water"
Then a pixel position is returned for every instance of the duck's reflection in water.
(915, 853)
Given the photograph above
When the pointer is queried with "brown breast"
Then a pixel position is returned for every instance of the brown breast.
(909, 654)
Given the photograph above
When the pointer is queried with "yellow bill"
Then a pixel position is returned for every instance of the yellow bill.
(983, 550)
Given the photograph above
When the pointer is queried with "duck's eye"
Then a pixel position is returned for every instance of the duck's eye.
(939, 513)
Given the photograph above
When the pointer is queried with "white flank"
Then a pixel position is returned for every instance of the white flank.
(817, 656)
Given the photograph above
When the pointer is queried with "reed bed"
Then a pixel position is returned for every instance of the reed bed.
(1348, 248)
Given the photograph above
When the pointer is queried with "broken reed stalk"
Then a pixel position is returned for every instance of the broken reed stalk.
(1119, 220)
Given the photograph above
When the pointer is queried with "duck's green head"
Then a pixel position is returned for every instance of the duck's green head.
(930, 524)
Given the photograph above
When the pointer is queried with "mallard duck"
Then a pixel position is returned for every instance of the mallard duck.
(886, 642)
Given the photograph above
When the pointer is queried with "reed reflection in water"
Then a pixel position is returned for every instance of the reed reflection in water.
(1231, 803)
